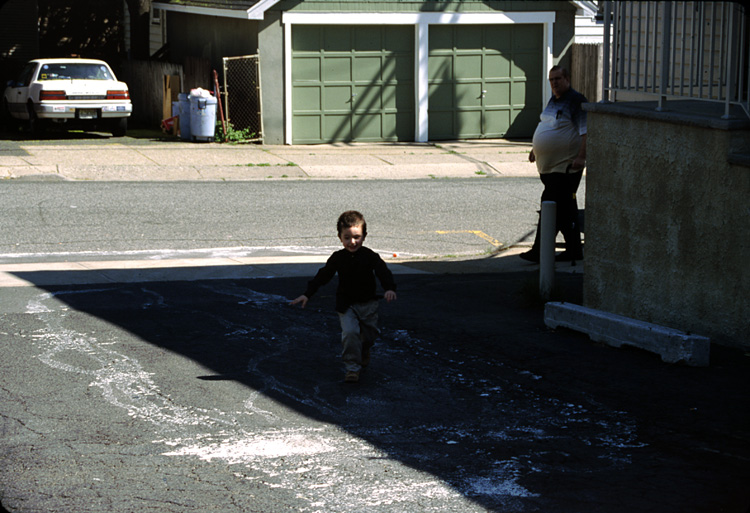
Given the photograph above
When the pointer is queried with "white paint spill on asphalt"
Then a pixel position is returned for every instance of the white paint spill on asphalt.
(328, 467)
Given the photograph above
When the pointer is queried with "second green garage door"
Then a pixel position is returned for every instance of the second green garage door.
(485, 81)
(352, 83)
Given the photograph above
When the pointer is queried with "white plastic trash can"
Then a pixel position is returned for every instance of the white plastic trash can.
(184, 114)
(203, 117)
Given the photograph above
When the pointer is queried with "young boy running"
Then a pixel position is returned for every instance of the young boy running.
(356, 300)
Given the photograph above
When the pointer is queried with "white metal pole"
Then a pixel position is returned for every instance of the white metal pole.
(547, 249)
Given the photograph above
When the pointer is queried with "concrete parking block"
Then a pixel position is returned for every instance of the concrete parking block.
(674, 346)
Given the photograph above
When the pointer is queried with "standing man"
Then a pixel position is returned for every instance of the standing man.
(559, 150)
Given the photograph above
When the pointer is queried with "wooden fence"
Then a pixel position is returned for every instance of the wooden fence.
(145, 80)
(586, 70)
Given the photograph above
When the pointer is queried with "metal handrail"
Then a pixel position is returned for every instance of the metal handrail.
(677, 50)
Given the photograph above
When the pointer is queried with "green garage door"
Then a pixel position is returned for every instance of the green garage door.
(485, 81)
(352, 83)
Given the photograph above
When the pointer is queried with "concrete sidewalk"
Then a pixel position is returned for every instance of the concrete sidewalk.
(131, 159)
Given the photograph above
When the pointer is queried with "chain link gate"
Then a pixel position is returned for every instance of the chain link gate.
(242, 94)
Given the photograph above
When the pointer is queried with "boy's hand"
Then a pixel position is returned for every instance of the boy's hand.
(390, 295)
(301, 299)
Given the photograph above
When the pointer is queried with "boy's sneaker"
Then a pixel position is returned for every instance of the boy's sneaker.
(351, 377)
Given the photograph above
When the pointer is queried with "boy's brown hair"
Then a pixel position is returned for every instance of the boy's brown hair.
(351, 218)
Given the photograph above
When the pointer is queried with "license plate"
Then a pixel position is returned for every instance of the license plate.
(86, 113)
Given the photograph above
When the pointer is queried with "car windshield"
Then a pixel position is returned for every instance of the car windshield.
(74, 70)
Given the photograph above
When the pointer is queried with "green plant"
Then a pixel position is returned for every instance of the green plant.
(232, 135)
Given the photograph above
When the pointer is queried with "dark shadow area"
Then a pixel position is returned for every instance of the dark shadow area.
(17, 130)
(52, 133)
(466, 384)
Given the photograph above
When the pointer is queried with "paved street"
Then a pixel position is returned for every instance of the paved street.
(215, 395)
(136, 380)
(171, 219)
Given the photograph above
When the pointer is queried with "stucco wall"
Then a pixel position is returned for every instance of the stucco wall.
(668, 225)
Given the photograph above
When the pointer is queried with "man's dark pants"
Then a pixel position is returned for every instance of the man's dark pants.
(561, 188)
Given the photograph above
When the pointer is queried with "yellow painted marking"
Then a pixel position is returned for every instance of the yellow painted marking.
(478, 233)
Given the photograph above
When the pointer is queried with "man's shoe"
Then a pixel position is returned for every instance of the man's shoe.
(351, 377)
(567, 256)
(531, 256)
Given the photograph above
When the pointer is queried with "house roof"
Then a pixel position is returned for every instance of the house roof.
(255, 9)
(245, 9)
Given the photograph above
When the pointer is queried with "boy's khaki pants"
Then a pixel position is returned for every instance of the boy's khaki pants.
(359, 329)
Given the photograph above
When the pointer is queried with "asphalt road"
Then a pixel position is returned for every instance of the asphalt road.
(51, 220)
(216, 396)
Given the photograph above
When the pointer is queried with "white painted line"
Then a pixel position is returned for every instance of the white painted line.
(183, 269)
(169, 253)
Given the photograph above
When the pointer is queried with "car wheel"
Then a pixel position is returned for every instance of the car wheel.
(36, 125)
(119, 127)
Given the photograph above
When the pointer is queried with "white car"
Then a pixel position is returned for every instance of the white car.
(81, 92)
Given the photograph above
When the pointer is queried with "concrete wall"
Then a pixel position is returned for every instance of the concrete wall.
(668, 221)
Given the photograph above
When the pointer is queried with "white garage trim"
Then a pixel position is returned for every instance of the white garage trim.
(422, 21)
(256, 12)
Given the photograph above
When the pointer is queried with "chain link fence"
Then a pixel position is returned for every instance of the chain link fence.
(242, 94)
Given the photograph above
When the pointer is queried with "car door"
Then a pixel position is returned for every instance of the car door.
(17, 94)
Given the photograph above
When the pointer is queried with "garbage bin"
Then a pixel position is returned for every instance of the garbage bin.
(202, 117)
(184, 114)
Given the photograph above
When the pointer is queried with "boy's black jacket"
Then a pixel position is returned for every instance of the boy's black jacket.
(357, 273)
